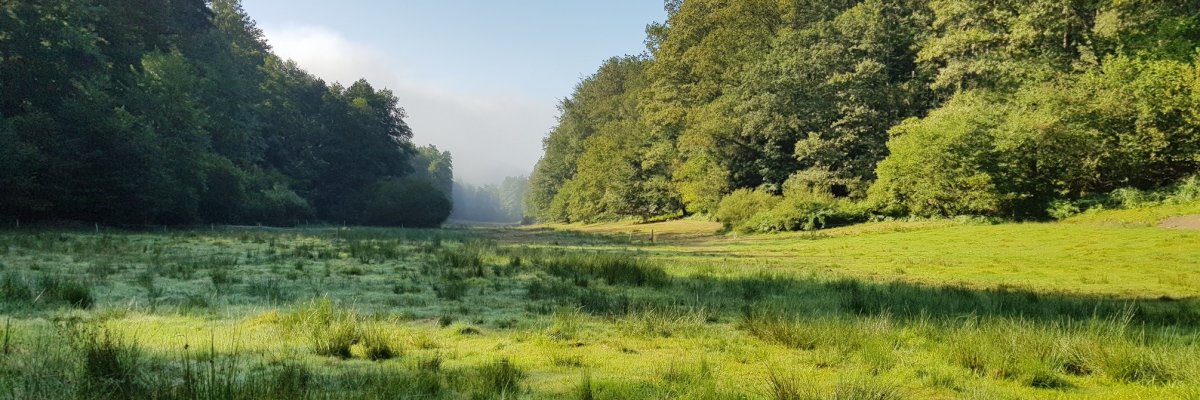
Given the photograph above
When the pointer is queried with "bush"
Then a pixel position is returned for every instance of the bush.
(1063, 209)
(822, 181)
(224, 190)
(804, 207)
(942, 164)
(1011, 154)
(277, 205)
(807, 212)
(1187, 191)
(413, 202)
(740, 206)
(1132, 198)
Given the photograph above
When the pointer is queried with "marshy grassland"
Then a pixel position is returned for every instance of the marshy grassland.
(1103, 306)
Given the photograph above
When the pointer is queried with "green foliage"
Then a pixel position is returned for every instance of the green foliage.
(808, 204)
(1062, 209)
(945, 107)
(1186, 193)
(1014, 155)
(806, 211)
(435, 166)
(409, 202)
(601, 161)
(942, 164)
(178, 113)
(277, 206)
(742, 205)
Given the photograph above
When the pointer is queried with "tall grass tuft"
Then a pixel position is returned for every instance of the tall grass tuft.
(377, 343)
(111, 366)
(334, 331)
(291, 380)
(48, 289)
(585, 387)
(846, 388)
(498, 380)
(784, 388)
(863, 388)
(335, 338)
(613, 269)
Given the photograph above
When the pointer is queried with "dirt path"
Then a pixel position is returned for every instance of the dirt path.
(1184, 222)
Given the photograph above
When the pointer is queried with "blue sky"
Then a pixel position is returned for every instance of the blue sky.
(479, 78)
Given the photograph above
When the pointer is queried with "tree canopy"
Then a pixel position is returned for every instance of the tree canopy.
(153, 112)
(925, 107)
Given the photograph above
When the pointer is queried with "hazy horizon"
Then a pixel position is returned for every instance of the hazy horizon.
(479, 79)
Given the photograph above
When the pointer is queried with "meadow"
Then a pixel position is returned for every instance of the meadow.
(1102, 306)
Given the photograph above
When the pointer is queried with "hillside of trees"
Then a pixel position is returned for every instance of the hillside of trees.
(798, 114)
(177, 112)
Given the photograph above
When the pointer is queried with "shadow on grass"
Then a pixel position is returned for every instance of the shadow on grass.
(819, 296)
(815, 297)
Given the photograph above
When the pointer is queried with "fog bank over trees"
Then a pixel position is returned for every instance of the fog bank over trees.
(490, 203)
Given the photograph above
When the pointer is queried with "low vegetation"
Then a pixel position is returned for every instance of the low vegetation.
(499, 313)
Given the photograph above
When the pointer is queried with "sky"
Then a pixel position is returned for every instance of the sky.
(480, 78)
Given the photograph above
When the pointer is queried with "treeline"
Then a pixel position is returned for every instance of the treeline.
(177, 112)
(799, 114)
(501, 203)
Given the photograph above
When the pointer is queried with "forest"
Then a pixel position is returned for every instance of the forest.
(177, 112)
(772, 115)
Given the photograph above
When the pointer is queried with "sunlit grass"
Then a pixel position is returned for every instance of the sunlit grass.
(912, 309)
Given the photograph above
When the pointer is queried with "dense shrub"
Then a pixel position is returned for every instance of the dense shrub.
(811, 200)
(1186, 192)
(413, 202)
(277, 205)
(801, 211)
(740, 206)
(1013, 154)
(942, 164)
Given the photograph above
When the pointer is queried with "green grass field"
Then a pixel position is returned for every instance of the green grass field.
(1103, 306)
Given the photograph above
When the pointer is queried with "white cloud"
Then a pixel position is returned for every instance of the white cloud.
(490, 135)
